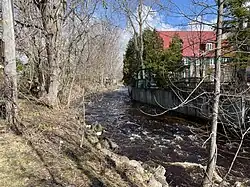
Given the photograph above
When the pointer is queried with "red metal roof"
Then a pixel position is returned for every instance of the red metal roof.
(191, 41)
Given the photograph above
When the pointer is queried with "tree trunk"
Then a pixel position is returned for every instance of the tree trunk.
(213, 146)
(51, 12)
(53, 86)
(141, 38)
(9, 61)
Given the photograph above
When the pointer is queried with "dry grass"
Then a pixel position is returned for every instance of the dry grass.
(18, 162)
(48, 153)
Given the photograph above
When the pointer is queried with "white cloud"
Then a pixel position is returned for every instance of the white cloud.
(152, 19)
(201, 25)
(156, 20)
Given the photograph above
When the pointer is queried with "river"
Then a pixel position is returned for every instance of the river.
(170, 140)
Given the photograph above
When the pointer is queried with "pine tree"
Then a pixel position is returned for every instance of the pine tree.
(153, 48)
(130, 63)
(237, 25)
(155, 58)
(170, 63)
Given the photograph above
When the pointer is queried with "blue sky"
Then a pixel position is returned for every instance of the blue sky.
(183, 11)
(169, 15)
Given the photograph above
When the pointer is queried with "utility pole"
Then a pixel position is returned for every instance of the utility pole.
(9, 61)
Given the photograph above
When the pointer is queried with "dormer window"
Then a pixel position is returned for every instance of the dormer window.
(209, 46)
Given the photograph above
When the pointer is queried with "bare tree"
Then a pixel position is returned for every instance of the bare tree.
(217, 83)
(78, 44)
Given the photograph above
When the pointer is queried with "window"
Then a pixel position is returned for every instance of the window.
(225, 60)
(184, 74)
(209, 46)
(211, 61)
(185, 60)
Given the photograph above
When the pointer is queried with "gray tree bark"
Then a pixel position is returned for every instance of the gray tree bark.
(9, 61)
(52, 15)
(213, 145)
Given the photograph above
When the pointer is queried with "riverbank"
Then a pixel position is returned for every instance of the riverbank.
(47, 152)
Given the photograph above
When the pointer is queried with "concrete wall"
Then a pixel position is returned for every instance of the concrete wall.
(168, 100)
(230, 109)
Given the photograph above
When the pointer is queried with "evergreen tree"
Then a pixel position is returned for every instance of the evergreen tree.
(170, 63)
(153, 48)
(156, 59)
(130, 63)
(237, 25)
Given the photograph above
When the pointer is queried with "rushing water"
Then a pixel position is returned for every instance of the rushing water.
(142, 138)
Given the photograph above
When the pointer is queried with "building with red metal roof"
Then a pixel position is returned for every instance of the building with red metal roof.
(198, 50)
